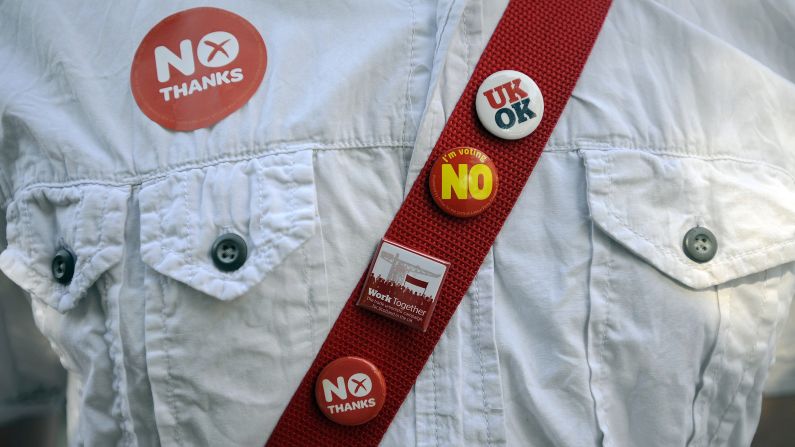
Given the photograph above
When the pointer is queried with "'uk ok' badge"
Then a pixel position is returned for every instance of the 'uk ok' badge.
(403, 284)
(196, 67)
(510, 104)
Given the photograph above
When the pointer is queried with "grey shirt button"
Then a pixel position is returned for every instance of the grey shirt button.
(700, 244)
(63, 266)
(229, 252)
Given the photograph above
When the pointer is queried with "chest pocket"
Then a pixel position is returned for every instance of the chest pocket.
(173, 307)
(267, 205)
(662, 322)
(233, 279)
(86, 220)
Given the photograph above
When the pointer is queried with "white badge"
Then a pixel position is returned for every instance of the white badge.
(510, 104)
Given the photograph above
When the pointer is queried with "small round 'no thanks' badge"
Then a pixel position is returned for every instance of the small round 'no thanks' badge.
(350, 391)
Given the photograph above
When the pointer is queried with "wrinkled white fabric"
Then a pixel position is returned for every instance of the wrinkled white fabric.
(587, 323)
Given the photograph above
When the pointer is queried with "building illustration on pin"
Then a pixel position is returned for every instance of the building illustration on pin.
(400, 273)
(403, 284)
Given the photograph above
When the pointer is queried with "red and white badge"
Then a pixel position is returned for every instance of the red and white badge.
(403, 285)
(196, 67)
(350, 391)
(510, 104)
(464, 182)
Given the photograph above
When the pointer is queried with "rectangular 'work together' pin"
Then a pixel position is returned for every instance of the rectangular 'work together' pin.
(403, 284)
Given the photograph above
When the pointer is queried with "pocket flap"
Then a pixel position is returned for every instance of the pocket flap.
(269, 202)
(86, 219)
(648, 202)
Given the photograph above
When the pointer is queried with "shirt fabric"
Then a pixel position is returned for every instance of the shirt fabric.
(587, 323)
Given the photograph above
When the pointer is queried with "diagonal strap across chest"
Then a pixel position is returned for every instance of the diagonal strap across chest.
(550, 42)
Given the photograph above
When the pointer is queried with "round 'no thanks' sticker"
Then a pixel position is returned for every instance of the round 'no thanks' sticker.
(196, 67)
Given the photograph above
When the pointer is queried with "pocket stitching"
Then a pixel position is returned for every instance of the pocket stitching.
(263, 249)
(747, 360)
(606, 288)
(585, 145)
(189, 234)
(671, 254)
(77, 220)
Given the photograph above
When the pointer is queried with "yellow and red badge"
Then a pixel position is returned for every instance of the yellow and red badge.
(196, 67)
(464, 182)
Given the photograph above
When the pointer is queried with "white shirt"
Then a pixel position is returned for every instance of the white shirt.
(587, 323)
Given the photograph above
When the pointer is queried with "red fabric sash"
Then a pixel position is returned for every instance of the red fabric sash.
(547, 40)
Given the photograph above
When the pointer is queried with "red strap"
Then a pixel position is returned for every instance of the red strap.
(548, 40)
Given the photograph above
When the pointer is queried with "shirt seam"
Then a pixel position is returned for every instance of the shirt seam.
(169, 380)
(412, 66)
(478, 341)
(606, 286)
(660, 150)
(435, 401)
(310, 319)
(120, 403)
(139, 180)
(748, 364)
